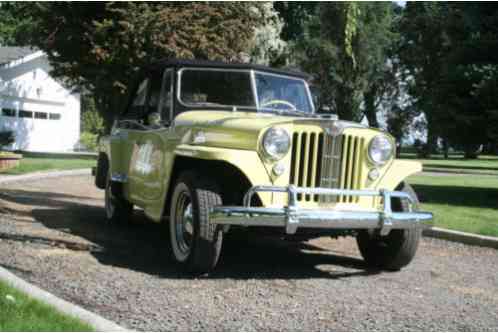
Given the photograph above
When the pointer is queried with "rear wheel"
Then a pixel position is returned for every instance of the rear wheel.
(195, 242)
(118, 210)
(397, 249)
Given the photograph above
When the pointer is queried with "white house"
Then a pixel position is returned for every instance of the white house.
(44, 115)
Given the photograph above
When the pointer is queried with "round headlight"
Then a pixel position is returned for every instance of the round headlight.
(276, 143)
(380, 150)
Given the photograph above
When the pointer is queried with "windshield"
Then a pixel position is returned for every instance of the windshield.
(282, 93)
(229, 88)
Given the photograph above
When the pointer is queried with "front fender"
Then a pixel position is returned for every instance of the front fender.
(397, 172)
(247, 161)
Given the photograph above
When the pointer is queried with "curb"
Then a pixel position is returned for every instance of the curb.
(462, 237)
(97, 322)
(49, 174)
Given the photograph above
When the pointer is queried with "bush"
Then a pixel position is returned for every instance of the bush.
(89, 141)
(91, 121)
(6, 138)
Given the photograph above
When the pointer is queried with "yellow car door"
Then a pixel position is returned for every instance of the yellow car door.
(148, 178)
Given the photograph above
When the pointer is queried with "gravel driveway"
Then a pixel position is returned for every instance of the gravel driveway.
(53, 234)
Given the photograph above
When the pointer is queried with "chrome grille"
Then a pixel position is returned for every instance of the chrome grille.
(352, 151)
(331, 165)
(306, 162)
(321, 160)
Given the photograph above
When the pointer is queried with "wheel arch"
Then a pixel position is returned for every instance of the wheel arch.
(233, 182)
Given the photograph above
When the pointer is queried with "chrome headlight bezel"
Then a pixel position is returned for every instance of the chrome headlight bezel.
(276, 143)
(380, 150)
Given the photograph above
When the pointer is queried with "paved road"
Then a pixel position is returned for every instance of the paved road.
(52, 233)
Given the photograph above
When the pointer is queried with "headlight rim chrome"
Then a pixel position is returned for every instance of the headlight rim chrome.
(391, 151)
(275, 156)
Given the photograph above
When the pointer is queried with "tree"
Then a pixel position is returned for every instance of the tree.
(385, 86)
(12, 19)
(268, 47)
(450, 51)
(100, 46)
(295, 17)
(470, 81)
(424, 48)
(344, 47)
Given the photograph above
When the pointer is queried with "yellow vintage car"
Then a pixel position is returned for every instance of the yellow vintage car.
(210, 147)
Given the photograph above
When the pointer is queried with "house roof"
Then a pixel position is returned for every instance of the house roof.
(12, 53)
(218, 64)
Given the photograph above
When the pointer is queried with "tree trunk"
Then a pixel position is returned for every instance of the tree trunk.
(472, 151)
(347, 104)
(445, 148)
(432, 136)
(399, 146)
(370, 110)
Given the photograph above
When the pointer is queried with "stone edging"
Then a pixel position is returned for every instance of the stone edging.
(97, 322)
(462, 237)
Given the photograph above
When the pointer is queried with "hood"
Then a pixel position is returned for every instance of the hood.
(237, 129)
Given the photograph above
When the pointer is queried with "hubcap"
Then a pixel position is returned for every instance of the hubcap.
(184, 223)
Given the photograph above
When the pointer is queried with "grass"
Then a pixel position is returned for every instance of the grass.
(485, 164)
(33, 164)
(21, 313)
(466, 203)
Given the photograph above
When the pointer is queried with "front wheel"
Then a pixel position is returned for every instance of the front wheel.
(397, 249)
(195, 242)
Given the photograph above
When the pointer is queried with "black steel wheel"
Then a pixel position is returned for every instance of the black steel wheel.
(395, 250)
(195, 242)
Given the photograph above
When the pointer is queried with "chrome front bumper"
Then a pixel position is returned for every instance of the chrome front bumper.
(292, 216)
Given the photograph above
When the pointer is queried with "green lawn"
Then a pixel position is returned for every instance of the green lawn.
(485, 164)
(466, 203)
(33, 164)
(21, 313)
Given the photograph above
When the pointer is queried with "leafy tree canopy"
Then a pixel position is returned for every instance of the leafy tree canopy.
(99, 46)
(344, 46)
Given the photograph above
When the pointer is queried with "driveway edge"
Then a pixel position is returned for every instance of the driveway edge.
(49, 174)
(462, 237)
(97, 322)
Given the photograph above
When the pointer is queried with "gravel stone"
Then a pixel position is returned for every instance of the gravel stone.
(53, 234)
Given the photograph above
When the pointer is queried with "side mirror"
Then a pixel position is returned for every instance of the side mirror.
(154, 119)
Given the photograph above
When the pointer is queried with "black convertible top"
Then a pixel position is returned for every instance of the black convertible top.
(229, 65)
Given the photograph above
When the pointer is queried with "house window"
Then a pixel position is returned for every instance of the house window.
(55, 116)
(41, 115)
(25, 114)
(8, 112)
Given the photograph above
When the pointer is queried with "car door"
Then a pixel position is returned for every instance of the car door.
(147, 170)
(124, 136)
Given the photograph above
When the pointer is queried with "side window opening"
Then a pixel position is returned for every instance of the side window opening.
(166, 96)
(136, 109)
(154, 93)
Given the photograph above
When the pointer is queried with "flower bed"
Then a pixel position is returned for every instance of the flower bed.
(9, 160)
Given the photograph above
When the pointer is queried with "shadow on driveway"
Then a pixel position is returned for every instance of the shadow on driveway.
(143, 247)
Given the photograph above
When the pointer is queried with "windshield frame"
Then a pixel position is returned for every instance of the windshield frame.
(252, 74)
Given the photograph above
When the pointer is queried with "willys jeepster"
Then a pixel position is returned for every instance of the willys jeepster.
(209, 148)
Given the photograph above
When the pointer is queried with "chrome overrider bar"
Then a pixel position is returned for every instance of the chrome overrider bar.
(292, 216)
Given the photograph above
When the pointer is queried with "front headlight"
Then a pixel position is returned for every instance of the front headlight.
(380, 150)
(276, 143)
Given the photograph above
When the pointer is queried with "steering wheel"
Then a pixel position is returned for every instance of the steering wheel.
(279, 101)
